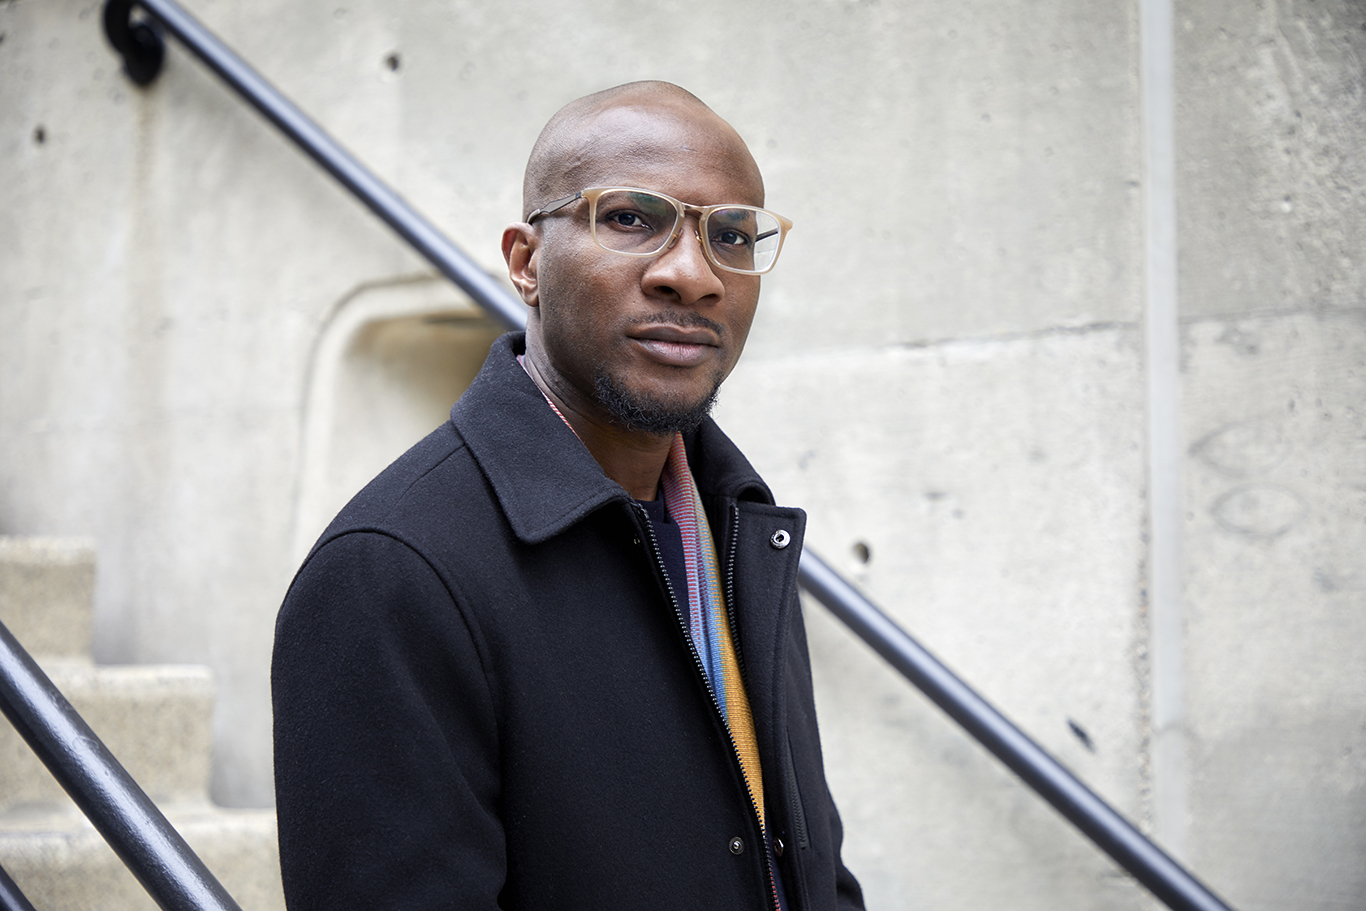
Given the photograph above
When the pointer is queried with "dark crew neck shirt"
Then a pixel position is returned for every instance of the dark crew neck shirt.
(670, 542)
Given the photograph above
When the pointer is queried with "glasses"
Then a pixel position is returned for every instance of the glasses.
(743, 239)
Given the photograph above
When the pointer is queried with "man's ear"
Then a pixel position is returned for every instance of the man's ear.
(521, 246)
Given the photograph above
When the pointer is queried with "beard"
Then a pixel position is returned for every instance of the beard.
(647, 414)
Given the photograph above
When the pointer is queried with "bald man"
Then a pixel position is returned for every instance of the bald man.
(552, 657)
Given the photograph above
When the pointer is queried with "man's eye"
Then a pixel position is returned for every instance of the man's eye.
(730, 238)
(626, 219)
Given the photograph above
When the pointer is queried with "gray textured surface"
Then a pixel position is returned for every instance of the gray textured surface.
(1271, 124)
(1271, 129)
(1276, 638)
(46, 587)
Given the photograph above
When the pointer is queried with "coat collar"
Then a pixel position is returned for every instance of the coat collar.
(544, 477)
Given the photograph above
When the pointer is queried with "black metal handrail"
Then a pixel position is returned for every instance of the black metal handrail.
(139, 42)
(132, 825)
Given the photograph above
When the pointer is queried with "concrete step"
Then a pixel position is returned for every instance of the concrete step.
(154, 719)
(61, 863)
(46, 591)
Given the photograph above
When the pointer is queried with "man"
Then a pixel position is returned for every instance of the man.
(552, 658)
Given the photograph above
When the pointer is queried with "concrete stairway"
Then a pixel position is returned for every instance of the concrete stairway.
(154, 719)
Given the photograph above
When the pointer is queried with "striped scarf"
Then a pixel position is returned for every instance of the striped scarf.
(708, 620)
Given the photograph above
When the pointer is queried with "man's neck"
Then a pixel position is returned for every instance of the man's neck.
(633, 459)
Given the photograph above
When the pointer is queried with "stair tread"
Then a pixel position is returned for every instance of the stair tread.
(68, 824)
(61, 861)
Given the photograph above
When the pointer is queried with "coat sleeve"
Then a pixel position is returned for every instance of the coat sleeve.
(386, 746)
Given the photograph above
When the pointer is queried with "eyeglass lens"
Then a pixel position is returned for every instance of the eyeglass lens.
(640, 223)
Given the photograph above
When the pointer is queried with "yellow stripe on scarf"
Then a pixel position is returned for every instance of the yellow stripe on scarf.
(742, 722)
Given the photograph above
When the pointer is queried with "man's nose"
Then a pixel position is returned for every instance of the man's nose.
(684, 270)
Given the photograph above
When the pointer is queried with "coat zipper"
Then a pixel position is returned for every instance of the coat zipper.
(702, 670)
(732, 547)
(795, 806)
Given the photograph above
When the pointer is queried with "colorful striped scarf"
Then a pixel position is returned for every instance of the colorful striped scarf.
(708, 619)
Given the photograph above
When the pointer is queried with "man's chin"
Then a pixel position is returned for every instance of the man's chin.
(643, 413)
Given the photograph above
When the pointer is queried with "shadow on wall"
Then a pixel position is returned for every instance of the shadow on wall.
(391, 360)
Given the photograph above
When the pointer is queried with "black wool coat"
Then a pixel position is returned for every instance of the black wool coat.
(484, 697)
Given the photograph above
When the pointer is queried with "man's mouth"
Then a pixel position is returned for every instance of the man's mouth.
(675, 345)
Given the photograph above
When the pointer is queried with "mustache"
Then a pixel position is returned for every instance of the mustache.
(682, 319)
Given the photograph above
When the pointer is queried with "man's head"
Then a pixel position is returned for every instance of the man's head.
(640, 341)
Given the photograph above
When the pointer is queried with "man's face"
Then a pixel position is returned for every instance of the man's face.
(645, 342)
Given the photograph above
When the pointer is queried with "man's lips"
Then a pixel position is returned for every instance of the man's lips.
(677, 346)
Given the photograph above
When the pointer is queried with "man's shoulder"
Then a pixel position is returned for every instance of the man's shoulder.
(438, 472)
(418, 496)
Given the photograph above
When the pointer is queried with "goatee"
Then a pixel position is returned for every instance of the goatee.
(645, 413)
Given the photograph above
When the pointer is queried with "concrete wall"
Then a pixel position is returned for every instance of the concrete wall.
(203, 345)
(1273, 227)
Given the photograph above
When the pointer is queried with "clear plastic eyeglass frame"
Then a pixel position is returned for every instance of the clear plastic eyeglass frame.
(762, 247)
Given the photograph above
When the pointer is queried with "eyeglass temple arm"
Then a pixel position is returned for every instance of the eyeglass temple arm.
(555, 206)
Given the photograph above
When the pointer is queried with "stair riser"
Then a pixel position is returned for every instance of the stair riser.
(46, 594)
(155, 720)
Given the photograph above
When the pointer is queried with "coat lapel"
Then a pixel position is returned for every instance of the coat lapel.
(544, 478)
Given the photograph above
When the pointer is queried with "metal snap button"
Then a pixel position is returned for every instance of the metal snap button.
(778, 846)
(780, 539)
(737, 845)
